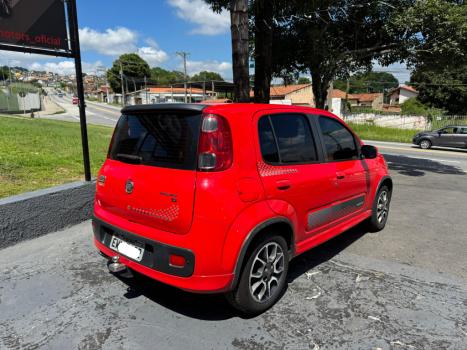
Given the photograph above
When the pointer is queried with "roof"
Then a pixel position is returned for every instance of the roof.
(408, 88)
(169, 90)
(196, 107)
(404, 87)
(240, 109)
(219, 100)
(282, 90)
(336, 93)
(365, 97)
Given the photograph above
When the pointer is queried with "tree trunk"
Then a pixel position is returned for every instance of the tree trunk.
(320, 84)
(239, 31)
(263, 50)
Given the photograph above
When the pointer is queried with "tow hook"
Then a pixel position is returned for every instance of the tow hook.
(118, 268)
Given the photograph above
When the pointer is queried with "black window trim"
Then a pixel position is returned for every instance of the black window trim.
(323, 145)
(314, 134)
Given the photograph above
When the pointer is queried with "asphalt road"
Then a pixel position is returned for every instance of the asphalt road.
(402, 288)
(96, 113)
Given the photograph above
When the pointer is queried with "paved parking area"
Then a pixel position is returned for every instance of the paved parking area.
(402, 288)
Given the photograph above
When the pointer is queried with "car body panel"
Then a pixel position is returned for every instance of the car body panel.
(223, 210)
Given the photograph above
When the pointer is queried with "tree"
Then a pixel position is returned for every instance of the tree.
(438, 52)
(332, 38)
(4, 73)
(206, 76)
(368, 82)
(303, 80)
(445, 89)
(262, 52)
(414, 107)
(134, 71)
(239, 33)
(165, 77)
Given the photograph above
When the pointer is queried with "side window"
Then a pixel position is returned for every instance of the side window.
(286, 139)
(338, 140)
(449, 130)
(463, 130)
(267, 141)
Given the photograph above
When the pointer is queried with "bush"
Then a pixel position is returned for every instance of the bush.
(414, 107)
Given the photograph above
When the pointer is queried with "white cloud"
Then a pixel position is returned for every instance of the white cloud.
(152, 54)
(223, 68)
(111, 42)
(199, 13)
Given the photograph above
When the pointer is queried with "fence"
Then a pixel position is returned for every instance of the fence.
(18, 99)
(410, 122)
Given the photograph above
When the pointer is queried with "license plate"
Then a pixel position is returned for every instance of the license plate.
(127, 249)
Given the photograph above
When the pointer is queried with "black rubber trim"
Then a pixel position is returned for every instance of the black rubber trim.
(249, 239)
(156, 254)
(384, 178)
(194, 107)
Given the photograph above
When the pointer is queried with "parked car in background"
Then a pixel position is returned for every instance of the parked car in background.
(75, 100)
(449, 136)
(219, 198)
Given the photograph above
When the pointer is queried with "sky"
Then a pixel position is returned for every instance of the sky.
(154, 29)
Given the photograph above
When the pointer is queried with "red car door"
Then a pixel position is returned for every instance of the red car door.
(342, 151)
(295, 180)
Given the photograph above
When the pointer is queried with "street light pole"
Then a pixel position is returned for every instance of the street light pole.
(184, 55)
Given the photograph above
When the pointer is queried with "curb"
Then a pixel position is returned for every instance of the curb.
(33, 214)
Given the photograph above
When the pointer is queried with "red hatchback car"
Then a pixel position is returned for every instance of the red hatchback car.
(219, 198)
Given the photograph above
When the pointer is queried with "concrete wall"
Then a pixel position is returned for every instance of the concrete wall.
(34, 214)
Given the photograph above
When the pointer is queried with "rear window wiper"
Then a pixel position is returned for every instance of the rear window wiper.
(130, 158)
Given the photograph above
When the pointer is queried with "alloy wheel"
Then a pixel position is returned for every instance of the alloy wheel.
(382, 207)
(266, 272)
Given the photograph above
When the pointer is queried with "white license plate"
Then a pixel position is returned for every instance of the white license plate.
(127, 249)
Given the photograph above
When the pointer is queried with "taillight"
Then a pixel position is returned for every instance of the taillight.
(215, 151)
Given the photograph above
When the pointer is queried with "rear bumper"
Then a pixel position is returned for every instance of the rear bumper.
(155, 262)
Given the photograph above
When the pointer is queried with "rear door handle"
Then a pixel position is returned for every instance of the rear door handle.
(340, 176)
(283, 185)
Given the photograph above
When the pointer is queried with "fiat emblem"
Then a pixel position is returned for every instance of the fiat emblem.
(129, 186)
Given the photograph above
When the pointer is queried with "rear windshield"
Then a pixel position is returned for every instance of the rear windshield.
(162, 139)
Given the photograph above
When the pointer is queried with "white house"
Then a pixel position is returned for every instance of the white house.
(401, 94)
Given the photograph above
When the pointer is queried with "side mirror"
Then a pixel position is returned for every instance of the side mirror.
(369, 152)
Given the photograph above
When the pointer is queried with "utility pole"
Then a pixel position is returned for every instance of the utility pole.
(184, 55)
(146, 89)
(121, 82)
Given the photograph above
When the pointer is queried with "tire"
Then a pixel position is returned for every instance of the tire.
(255, 300)
(380, 210)
(425, 144)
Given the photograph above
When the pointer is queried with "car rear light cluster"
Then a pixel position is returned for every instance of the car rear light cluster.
(215, 151)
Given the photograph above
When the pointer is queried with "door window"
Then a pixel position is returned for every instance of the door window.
(463, 131)
(449, 130)
(338, 140)
(286, 139)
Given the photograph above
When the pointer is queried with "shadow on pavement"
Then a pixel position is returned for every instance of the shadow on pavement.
(324, 252)
(418, 167)
(214, 306)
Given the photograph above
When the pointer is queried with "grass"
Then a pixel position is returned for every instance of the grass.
(379, 133)
(39, 153)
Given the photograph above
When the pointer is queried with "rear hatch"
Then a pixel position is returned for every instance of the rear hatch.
(150, 174)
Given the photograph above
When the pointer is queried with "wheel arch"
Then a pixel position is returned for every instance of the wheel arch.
(385, 180)
(281, 225)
